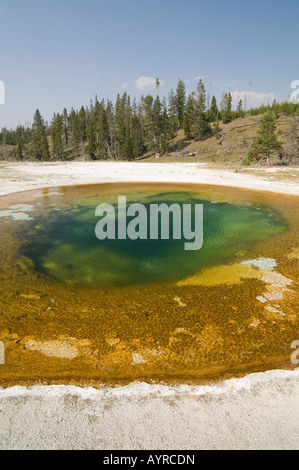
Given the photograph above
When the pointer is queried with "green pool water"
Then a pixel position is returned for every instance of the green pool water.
(62, 243)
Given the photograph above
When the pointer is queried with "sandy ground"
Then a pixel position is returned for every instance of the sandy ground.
(25, 176)
(256, 412)
(259, 411)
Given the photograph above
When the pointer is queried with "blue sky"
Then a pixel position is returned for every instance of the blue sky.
(61, 53)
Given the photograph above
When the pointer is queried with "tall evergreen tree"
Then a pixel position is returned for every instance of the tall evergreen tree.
(226, 108)
(173, 113)
(267, 142)
(128, 144)
(40, 146)
(166, 130)
(82, 130)
(157, 124)
(148, 120)
(91, 135)
(137, 144)
(20, 142)
(180, 96)
(101, 130)
(56, 136)
(189, 116)
(4, 141)
(120, 121)
(240, 111)
(112, 147)
(65, 126)
(200, 127)
(153, 122)
(213, 112)
(75, 131)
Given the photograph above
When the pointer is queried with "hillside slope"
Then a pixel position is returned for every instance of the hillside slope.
(231, 149)
(228, 151)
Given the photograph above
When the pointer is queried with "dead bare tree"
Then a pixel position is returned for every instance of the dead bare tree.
(292, 147)
(5, 153)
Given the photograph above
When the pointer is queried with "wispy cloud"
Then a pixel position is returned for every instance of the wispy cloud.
(252, 99)
(147, 82)
(195, 79)
(233, 82)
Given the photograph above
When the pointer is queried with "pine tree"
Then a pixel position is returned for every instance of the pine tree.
(240, 111)
(59, 135)
(128, 145)
(148, 120)
(74, 131)
(137, 129)
(91, 135)
(20, 142)
(216, 128)
(19, 152)
(166, 131)
(152, 122)
(56, 136)
(101, 130)
(173, 113)
(267, 142)
(226, 108)
(180, 99)
(157, 124)
(120, 121)
(189, 116)
(137, 145)
(40, 146)
(65, 126)
(112, 147)
(200, 126)
(82, 130)
(213, 112)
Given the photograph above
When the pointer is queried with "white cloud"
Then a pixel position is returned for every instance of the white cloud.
(124, 85)
(147, 82)
(253, 99)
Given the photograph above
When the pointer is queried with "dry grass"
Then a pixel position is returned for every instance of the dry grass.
(231, 149)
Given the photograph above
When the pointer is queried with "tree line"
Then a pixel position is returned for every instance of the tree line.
(127, 129)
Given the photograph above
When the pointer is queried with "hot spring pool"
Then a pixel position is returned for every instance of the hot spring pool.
(76, 309)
